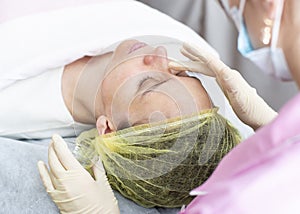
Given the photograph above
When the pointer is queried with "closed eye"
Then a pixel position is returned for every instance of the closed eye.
(148, 84)
(146, 81)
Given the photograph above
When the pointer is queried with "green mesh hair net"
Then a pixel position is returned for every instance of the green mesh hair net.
(159, 164)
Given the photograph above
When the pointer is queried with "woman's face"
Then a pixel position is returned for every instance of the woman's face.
(139, 87)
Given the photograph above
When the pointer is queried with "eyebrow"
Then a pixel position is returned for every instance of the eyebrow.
(143, 81)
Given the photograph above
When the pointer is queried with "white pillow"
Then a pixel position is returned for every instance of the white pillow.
(35, 43)
(12, 9)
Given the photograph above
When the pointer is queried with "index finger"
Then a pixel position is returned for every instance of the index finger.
(63, 153)
(197, 67)
(211, 61)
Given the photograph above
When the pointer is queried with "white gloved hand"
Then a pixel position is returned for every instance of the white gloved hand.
(246, 103)
(71, 187)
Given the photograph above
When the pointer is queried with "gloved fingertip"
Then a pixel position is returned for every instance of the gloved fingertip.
(177, 68)
(56, 138)
(58, 141)
(99, 165)
(187, 44)
(98, 169)
(41, 167)
(174, 65)
(40, 162)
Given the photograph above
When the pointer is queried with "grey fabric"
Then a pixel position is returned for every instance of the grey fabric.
(21, 189)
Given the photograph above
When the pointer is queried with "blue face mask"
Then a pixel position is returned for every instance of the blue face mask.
(244, 41)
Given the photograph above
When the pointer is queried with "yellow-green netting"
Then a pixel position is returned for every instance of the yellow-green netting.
(159, 164)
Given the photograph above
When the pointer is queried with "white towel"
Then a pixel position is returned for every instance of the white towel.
(35, 43)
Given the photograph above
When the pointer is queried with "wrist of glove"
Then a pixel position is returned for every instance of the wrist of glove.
(246, 103)
(71, 187)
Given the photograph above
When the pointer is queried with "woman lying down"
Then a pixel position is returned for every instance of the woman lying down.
(158, 135)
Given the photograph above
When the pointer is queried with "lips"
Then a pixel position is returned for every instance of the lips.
(136, 46)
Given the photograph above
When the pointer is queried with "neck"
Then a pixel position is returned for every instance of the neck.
(81, 85)
(289, 37)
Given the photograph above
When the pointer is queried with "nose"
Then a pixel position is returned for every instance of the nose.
(158, 58)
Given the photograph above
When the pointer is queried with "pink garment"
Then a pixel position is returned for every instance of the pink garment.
(261, 175)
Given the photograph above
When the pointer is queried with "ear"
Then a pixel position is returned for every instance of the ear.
(104, 125)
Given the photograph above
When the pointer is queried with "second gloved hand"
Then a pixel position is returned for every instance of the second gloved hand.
(246, 103)
(71, 187)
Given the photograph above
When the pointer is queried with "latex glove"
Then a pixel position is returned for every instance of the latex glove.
(246, 103)
(71, 187)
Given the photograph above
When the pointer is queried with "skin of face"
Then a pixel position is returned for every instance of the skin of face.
(139, 88)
